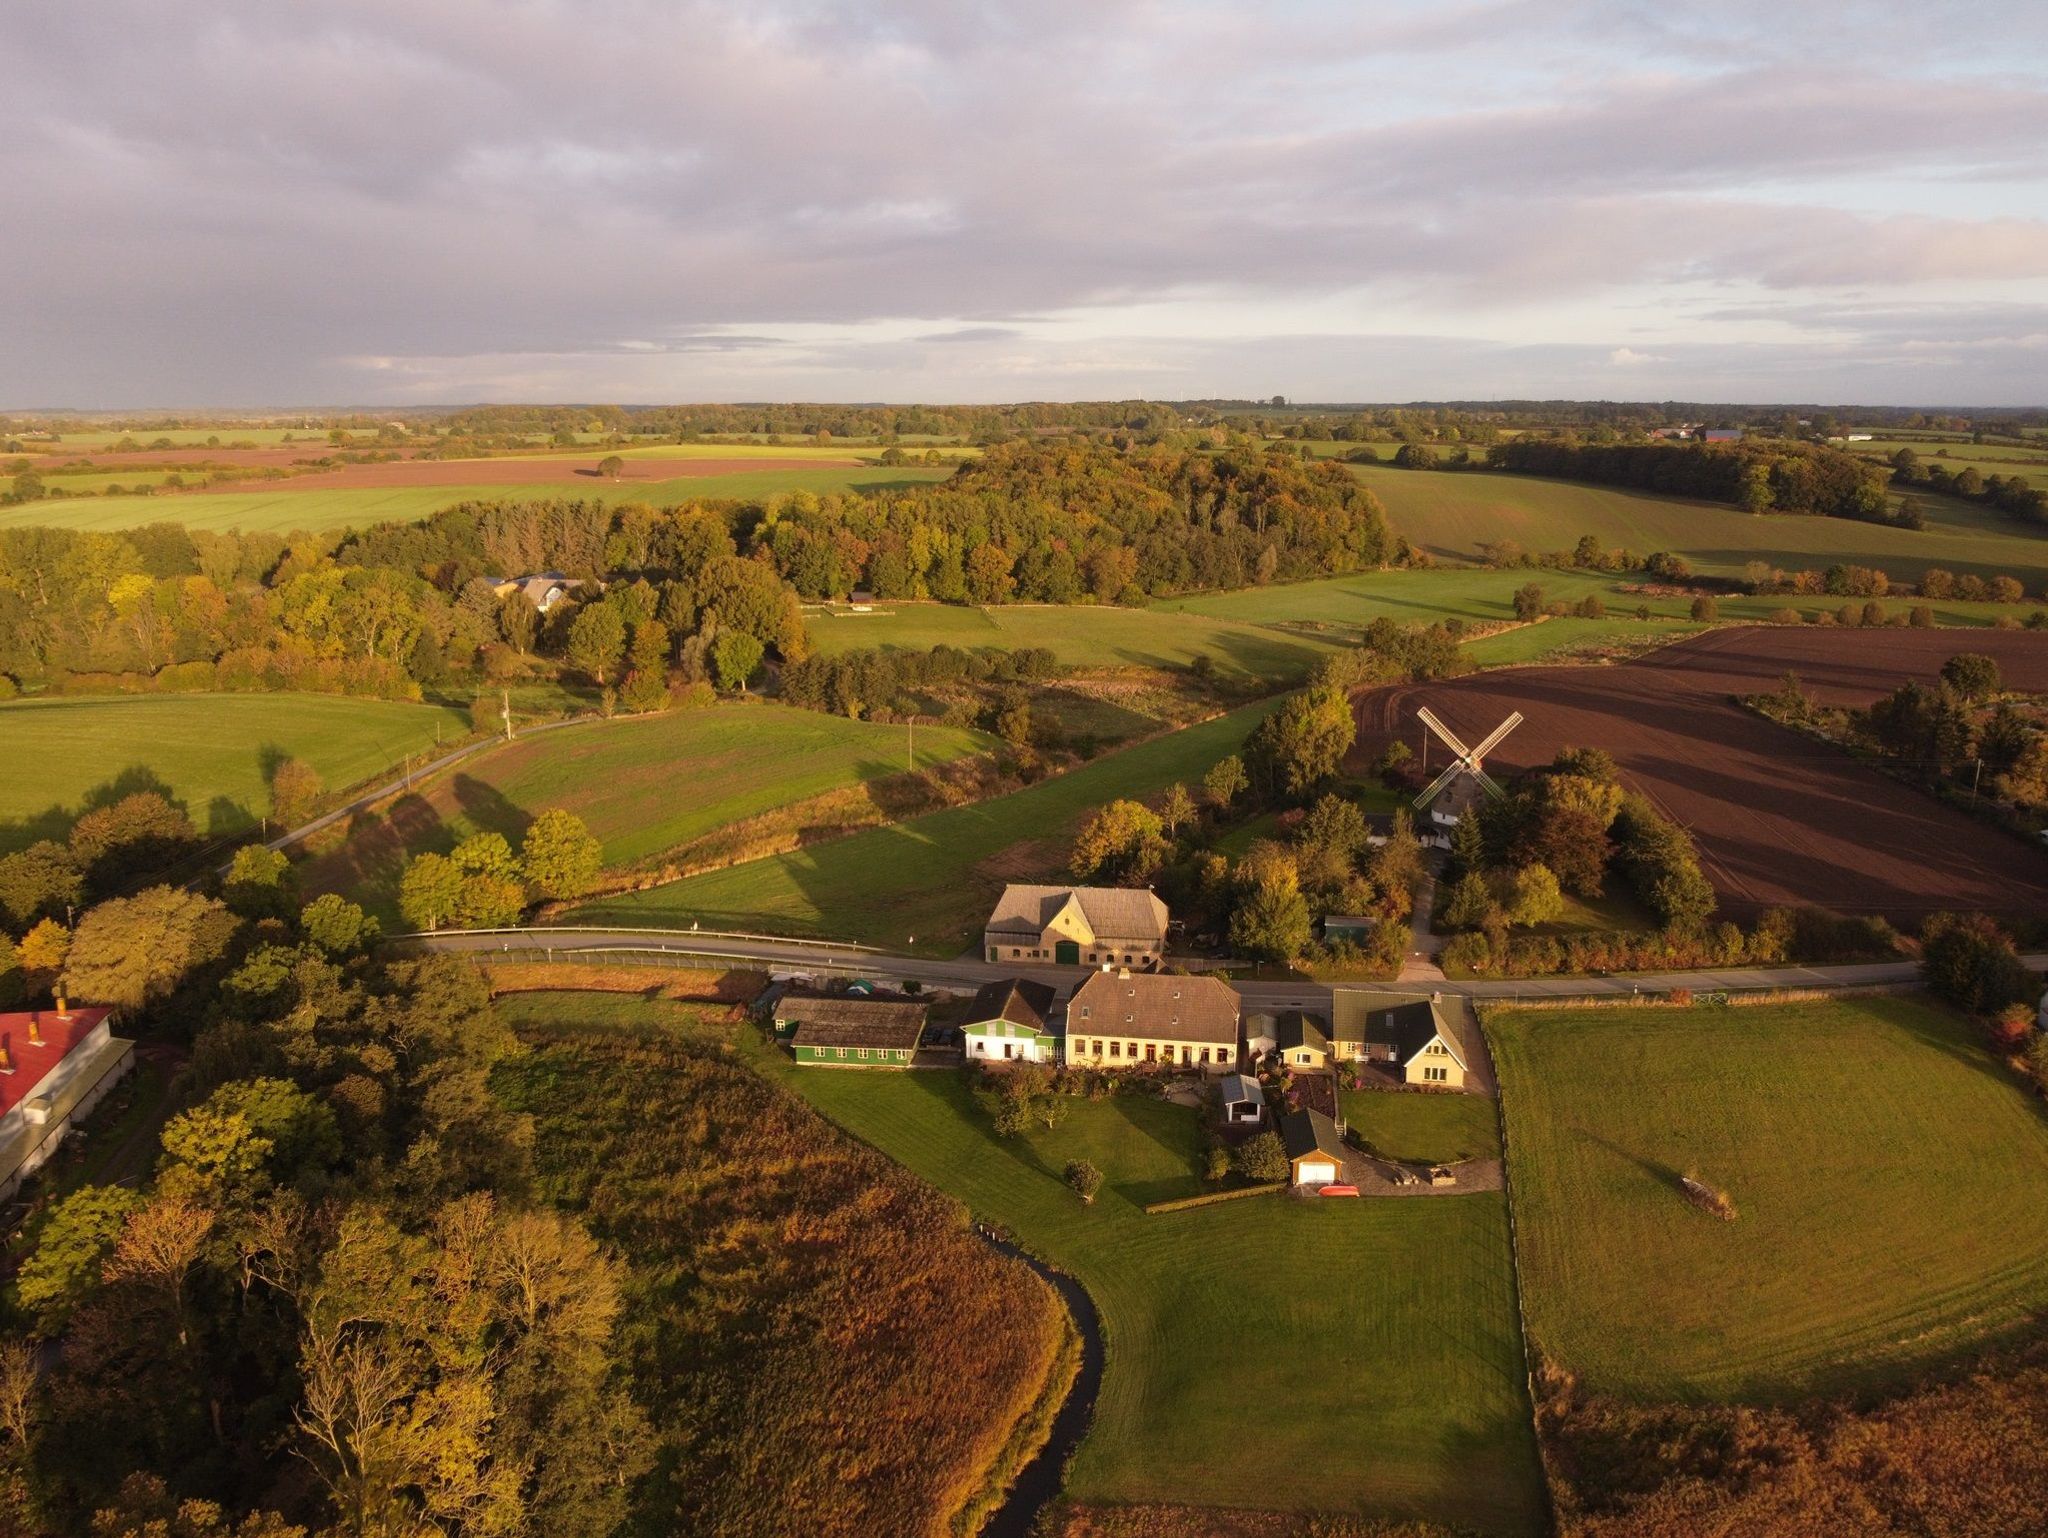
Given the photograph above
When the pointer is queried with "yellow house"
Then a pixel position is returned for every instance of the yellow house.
(1410, 1033)
(1077, 926)
(1126, 1019)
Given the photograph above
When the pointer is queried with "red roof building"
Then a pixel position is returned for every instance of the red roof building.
(55, 1066)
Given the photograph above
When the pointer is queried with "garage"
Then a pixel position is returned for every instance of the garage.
(1315, 1148)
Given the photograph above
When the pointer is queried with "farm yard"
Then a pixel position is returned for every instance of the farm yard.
(1777, 817)
(643, 787)
(213, 752)
(1884, 1170)
(1272, 1352)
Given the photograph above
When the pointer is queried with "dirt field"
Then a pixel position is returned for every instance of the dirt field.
(1778, 817)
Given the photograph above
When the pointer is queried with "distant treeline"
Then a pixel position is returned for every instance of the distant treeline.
(2012, 494)
(1768, 476)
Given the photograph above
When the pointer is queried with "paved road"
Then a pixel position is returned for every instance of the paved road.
(568, 944)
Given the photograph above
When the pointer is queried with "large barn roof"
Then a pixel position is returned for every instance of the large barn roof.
(1123, 913)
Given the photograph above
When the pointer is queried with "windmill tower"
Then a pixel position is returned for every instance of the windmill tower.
(1465, 760)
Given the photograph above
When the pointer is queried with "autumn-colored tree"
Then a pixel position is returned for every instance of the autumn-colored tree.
(429, 891)
(1225, 781)
(137, 833)
(1177, 809)
(44, 950)
(1120, 842)
(1533, 896)
(295, 791)
(260, 884)
(130, 951)
(1301, 745)
(560, 857)
(38, 882)
(339, 927)
(71, 1246)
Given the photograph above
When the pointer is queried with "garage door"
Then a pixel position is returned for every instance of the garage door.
(1314, 1172)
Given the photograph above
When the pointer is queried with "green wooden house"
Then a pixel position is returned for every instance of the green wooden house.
(850, 1032)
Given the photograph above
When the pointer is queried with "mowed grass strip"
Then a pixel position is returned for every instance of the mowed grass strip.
(1887, 1175)
(1080, 635)
(275, 507)
(1450, 513)
(214, 752)
(1268, 1352)
(925, 884)
(641, 786)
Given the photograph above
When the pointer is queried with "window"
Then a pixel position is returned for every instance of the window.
(1084, 1011)
(1095, 1049)
(1116, 1048)
(842, 1052)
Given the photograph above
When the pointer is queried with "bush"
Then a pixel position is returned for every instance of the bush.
(1083, 1179)
(1262, 1158)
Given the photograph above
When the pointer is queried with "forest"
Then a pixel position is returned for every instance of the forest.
(1776, 475)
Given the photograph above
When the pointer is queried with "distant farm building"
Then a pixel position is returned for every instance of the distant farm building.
(1009, 1022)
(1077, 926)
(55, 1066)
(543, 589)
(1126, 1019)
(850, 1032)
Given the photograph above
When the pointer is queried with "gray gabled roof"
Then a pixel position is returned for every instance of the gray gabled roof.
(1309, 1131)
(1014, 999)
(1242, 1087)
(1121, 913)
(846, 1022)
(1297, 1029)
(1405, 1022)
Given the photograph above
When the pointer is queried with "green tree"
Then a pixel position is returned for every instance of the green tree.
(1533, 896)
(141, 832)
(70, 1247)
(430, 891)
(1121, 842)
(1225, 781)
(1269, 919)
(1470, 903)
(1972, 675)
(646, 686)
(560, 856)
(1262, 1159)
(1969, 961)
(1177, 809)
(38, 882)
(611, 467)
(734, 657)
(597, 640)
(212, 1157)
(1300, 746)
(1705, 609)
(260, 883)
(1528, 601)
(337, 926)
(131, 951)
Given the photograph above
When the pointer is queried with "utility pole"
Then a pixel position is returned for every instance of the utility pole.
(505, 709)
(910, 726)
(1976, 775)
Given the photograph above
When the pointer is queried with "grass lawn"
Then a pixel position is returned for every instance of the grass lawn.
(1266, 1352)
(1415, 1127)
(1450, 514)
(1079, 635)
(925, 884)
(280, 509)
(642, 786)
(213, 751)
(1886, 1174)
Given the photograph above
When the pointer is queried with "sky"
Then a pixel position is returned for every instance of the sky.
(428, 201)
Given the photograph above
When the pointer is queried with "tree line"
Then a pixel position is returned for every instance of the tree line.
(1773, 475)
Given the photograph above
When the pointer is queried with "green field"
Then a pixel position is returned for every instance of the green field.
(1479, 593)
(1270, 1352)
(1451, 514)
(211, 751)
(1987, 458)
(1083, 636)
(280, 509)
(642, 786)
(1419, 1127)
(923, 885)
(1887, 1175)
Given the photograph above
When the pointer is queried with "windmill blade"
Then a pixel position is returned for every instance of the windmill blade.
(1436, 785)
(1443, 731)
(1490, 784)
(1499, 732)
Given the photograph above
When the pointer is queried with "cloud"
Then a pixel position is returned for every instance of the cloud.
(1628, 357)
(245, 206)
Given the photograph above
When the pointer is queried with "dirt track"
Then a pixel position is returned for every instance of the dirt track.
(1778, 817)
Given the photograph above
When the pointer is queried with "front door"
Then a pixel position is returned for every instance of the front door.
(1067, 952)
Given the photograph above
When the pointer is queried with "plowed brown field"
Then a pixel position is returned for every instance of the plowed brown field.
(1778, 817)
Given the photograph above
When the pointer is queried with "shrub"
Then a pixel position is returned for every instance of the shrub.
(1083, 1179)
(1262, 1158)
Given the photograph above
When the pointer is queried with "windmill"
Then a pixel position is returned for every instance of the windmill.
(1468, 760)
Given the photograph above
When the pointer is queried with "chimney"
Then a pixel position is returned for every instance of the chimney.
(63, 1008)
(35, 1029)
(6, 1055)
(1437, 997)
(1123, 974)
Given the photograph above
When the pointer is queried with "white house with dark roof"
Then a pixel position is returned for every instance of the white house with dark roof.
(1410, 1032)
(1125, 1019)
(1077, 926)
(1011, 1022)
